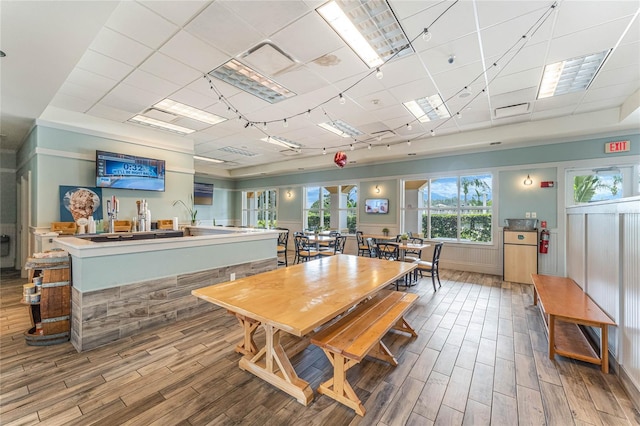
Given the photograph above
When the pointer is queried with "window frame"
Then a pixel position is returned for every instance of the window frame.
(428, 209)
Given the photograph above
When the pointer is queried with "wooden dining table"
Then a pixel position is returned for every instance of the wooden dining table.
(297, 300)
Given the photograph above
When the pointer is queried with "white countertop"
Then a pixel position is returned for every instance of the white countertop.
(84, 248)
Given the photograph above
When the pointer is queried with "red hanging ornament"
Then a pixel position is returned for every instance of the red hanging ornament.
(340, 159)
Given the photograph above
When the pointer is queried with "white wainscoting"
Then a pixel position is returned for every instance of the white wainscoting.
(9, 229)
(630, 316)
(603, 256)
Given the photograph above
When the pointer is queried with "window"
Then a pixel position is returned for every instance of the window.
(457, 208)
(601, 184)
(259, 208)
(331, 207)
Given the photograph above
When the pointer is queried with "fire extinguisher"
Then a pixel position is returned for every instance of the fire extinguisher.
(544, 239)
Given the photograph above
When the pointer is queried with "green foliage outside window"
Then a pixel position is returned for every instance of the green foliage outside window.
(475, 226)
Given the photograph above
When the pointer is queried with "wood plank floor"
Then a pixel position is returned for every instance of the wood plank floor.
(480, 358)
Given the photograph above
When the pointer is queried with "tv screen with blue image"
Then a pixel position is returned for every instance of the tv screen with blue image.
(123, 171)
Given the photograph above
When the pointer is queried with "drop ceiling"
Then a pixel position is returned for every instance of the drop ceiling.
(95, 65)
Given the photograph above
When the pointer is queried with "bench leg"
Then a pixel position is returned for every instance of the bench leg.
(383, 353)
(552, 336)
(247, 346)
(338, 387)
(403, 325)
(604, 348)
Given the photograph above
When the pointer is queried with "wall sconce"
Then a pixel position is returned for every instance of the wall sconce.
(289, 195)
(528, 180)
(377, 189)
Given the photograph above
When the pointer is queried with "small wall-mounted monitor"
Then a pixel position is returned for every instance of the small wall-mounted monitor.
(124, 171)
(203, 193)
(376, 205)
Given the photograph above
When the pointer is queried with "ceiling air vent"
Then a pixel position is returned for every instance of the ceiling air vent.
(511, 110)
(268, 58)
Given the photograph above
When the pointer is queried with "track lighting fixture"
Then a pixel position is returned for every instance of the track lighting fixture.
(379, 74)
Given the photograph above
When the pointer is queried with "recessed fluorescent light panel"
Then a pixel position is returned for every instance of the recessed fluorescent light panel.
(277, 140)
(238, 151)
(370, 28)
(251, 81)
(209, 159)
(174, 107)
(572, 75)
(341, 128)
(157, 124)
(430, 108)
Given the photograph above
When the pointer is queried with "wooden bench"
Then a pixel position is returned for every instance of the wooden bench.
(564, 306)
(347, 341)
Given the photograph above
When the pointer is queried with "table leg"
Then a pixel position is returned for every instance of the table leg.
(552, 336)
(249, 325)
(535, 296)
(272, 365)
(604, 348)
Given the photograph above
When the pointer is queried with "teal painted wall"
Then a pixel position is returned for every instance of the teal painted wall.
(516, 198)
(290, 206)
(48, 172)
(388, 189)
(8, 188)
(55, 170)
(223, 207)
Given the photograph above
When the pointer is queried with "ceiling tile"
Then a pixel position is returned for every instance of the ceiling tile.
(611, 91)
(319, 39)
(600, 105)
(511, 82)
(585, 42)
(626, 74)
(141, 24)
(215, 25)
(300, 80)
(130, 98)
(71, 103)
(338, 65)
(91, 80)
(493, 12)
(577, 16)
(109, 113)
(150, 83)
(81, 92)
(271, 19)
(169, 69)
(116, 46)
(193, 52)
(104, 66)
(192, 98)
(415, 90)
(178, 12)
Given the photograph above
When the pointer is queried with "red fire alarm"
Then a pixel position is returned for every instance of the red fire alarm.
(546, 184)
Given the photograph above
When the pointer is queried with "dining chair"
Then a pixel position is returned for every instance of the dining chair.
(338, 247)
(371, 248)
(283, 240)
(363, 248)
(411, 255)
(431, 267)
(329, 245)
(304, 250)
(387, 251)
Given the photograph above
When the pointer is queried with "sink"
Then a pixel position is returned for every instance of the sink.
(521, 224)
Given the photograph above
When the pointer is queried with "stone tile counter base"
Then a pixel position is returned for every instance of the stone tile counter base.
(103, 316)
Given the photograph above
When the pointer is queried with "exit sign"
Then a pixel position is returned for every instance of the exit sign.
(619, 146)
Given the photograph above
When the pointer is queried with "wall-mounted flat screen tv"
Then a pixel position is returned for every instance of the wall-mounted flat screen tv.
(122, 171)
(376, 205)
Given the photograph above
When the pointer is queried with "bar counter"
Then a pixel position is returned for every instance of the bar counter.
(131, 285)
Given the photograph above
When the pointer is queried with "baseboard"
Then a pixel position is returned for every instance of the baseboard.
(630, 387)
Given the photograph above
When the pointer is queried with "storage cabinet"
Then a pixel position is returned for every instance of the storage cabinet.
(520, 256)
(50, 317)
